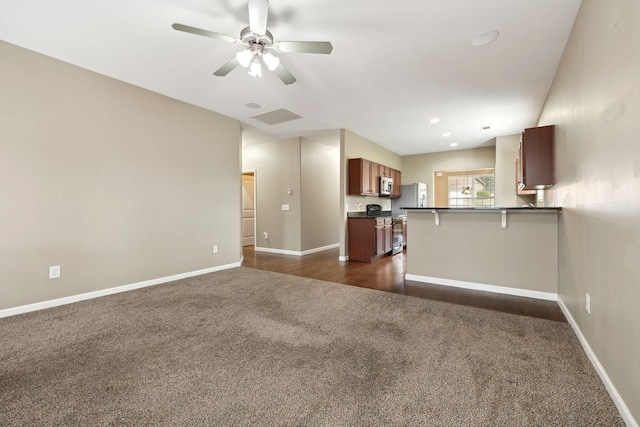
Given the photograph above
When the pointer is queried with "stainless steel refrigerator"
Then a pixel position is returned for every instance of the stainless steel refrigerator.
(413, 196)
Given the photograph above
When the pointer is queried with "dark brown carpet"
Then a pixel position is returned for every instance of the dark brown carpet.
(251, 347)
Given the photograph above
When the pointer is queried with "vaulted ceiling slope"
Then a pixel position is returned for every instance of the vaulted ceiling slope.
(394, 66)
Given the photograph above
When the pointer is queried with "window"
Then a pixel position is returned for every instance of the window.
(471, 191)
(466, 188)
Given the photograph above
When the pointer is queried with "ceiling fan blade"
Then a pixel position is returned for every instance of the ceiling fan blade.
(303, 47)
(258, 12)
(227, 68)
(210, 34)
(284, 75)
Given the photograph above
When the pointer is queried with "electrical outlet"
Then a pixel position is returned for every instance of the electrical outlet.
(54, 272)
(588, 303)
(215, 249)
(266, 235)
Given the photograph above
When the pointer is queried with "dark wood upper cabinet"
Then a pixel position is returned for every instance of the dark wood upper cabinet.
(535, 162)
(519, 191)
(362, 177)
(375, 178)
(397, 183)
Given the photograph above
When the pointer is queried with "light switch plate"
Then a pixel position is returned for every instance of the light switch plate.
(285, 207)
(588, 303)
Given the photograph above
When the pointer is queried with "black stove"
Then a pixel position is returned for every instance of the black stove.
(374, 210)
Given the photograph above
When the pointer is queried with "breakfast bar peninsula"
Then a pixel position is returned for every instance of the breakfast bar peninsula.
(505, 250)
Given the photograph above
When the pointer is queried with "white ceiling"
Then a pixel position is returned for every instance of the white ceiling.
(394, 66)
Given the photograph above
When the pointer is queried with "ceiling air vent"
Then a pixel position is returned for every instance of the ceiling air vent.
(276, 117)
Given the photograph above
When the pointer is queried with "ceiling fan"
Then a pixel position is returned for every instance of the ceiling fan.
(259, 44)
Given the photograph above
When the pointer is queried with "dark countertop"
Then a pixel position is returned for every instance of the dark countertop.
(363, 215)
(510, 208)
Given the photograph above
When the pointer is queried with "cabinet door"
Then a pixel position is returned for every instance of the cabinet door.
(397, 183)
(360, 177)
(536, 158)
(519, 191)
(380, 243)
(384, 235)
(366, 177)
(361, 239)
(388, 236)
(375, 178)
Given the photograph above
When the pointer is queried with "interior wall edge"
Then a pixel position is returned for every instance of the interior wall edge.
(602, 373)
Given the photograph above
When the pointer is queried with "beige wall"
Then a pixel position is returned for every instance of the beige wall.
(506, 153)
(354, 146)
(420, 167)
(320, 182)
(357, 146)
(595, 105)
(114, 183)
(310, 167)
(277, 167)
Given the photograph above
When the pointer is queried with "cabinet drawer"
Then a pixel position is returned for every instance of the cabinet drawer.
(383, 221)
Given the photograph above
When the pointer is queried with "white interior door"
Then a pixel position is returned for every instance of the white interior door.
(248, 209)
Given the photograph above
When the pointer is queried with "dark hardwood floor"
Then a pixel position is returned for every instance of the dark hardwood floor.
(388, 275)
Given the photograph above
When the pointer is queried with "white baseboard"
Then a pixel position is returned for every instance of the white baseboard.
(613, 392)
(549, 296)
(103, 292)
(296, 253)
(343, 258)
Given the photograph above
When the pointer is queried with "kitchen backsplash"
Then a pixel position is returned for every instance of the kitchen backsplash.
(359, 203)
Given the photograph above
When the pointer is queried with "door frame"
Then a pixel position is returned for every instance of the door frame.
(255, 206)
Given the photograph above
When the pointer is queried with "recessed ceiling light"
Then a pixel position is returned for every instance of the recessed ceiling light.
(453, 144)
(434, 121)
(446, 134)
(484, 38)
(253, 105)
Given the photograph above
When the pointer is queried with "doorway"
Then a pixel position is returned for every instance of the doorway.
(248, 208)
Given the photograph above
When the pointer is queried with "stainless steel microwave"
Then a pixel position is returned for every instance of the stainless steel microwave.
(386, 185)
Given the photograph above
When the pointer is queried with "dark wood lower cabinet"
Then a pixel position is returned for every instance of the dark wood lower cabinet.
(369, 238)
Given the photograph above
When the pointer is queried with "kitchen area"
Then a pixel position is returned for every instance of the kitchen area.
(481, 247)
(390, 226)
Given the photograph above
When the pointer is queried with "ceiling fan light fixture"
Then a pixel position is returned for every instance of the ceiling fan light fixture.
(244, 57)
(255, 69)
(271, 61)
(258, 43)
(258, 13)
